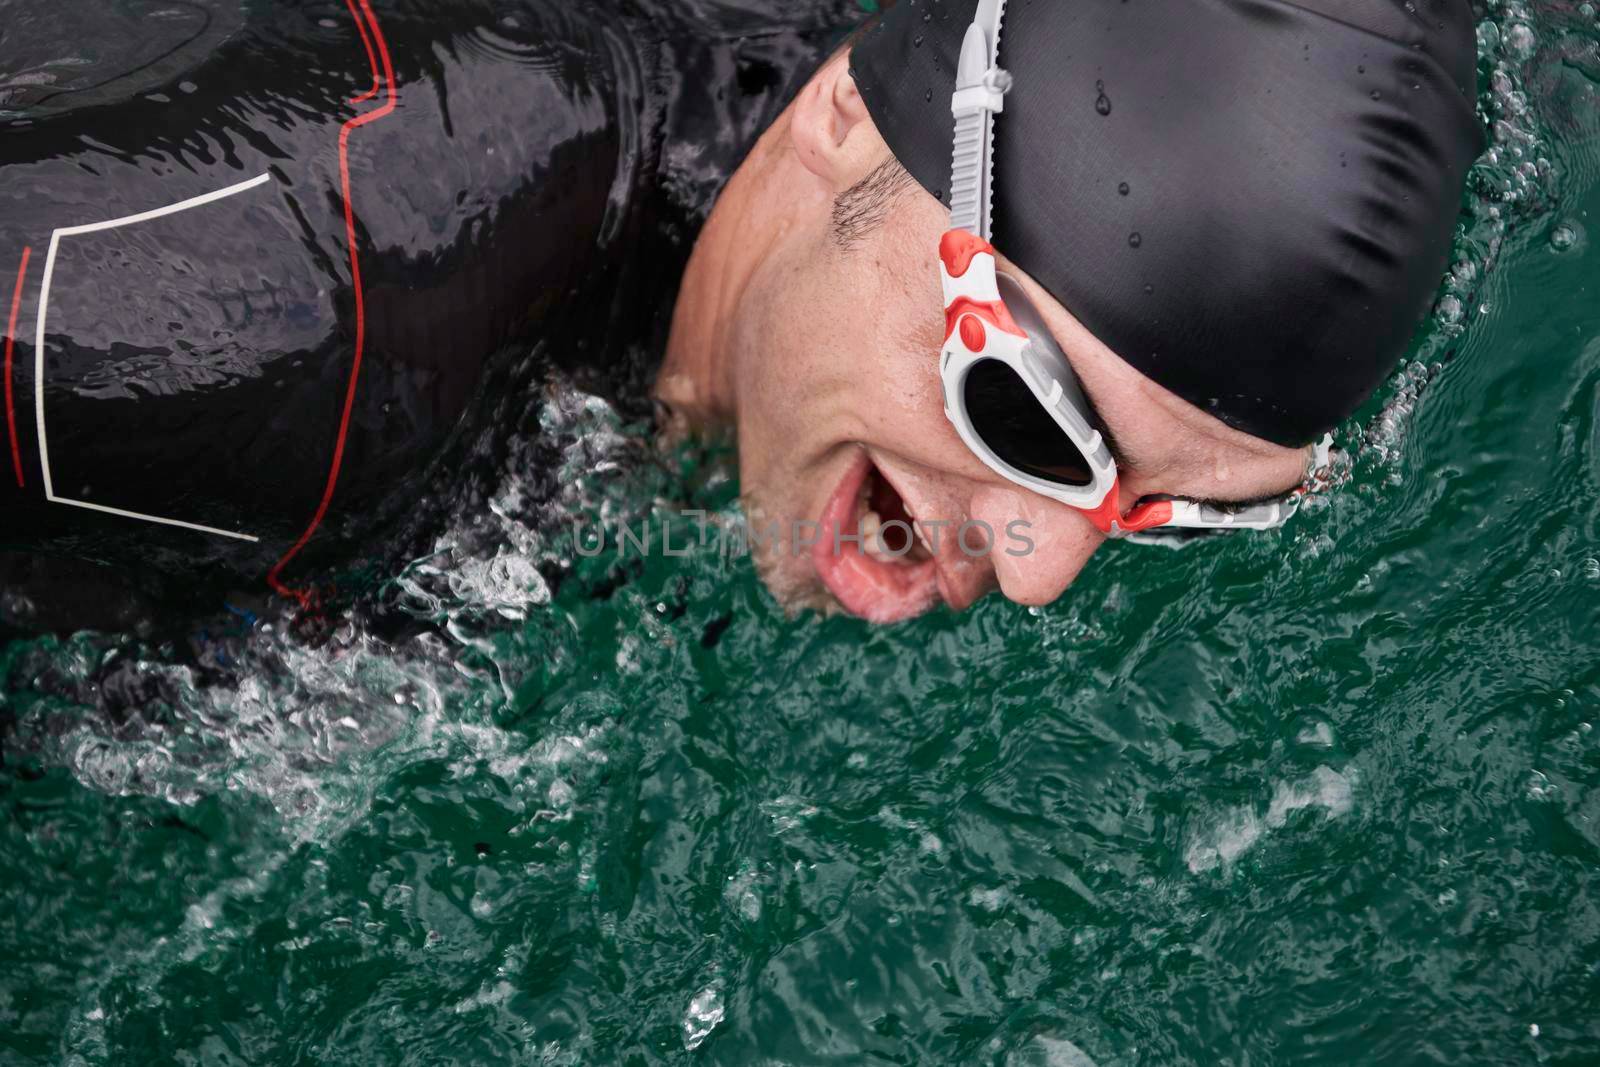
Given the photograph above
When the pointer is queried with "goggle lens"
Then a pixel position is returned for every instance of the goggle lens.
(1009, 419)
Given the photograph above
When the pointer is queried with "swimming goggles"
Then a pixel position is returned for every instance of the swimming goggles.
(1008, 388)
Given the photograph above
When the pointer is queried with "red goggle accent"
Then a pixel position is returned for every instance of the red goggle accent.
(956, 249)
(1142, 517)
(992, 312)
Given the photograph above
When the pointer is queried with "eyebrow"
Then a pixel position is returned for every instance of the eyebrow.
(1230, 505)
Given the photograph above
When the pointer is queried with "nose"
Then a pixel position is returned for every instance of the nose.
(1039, 546)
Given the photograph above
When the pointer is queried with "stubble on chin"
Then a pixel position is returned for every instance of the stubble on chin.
(788, 575)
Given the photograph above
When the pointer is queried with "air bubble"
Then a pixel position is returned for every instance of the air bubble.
(1520, 40)
(1568, 237)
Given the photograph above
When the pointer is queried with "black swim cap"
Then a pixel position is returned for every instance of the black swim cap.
(1250, 201)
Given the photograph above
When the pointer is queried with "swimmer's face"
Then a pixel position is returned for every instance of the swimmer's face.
(836, 397)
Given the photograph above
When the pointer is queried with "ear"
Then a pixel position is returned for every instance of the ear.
(831, 131)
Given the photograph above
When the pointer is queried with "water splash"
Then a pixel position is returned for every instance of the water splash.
(1513, 186)
(312, 728)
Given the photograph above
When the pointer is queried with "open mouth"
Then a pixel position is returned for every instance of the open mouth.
(870, 554)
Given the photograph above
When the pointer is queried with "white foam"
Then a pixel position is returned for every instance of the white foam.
(705, 1013)
(787, 812)
(1230, 837)
(742, 894)
(990, 900)
(1238, 830)
(1319, 735)
(1045, 1051)
(1326, 788)
(486, 996)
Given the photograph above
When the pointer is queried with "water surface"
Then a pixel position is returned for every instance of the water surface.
(1324, 796)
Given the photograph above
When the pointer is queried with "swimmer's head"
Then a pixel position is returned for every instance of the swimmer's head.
(1232, 217)
(1250, 202)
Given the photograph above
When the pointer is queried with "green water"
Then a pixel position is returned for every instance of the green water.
(1326, 796)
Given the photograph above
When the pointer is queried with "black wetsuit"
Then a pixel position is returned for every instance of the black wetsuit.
(517, 175)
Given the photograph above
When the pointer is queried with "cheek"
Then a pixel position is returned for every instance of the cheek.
(904, 399)
(850, 347)
(898, 380)
(790, 362)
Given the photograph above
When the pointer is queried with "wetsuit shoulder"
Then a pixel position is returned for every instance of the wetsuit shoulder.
(267, 268)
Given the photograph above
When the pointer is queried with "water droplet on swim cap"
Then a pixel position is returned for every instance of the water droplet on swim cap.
(1149, 289)
(1376, 95)
(1102, 103)
(1122, 188)
(1134, 240)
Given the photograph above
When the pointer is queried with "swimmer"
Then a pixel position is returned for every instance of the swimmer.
(1216, 225)
(272, 265)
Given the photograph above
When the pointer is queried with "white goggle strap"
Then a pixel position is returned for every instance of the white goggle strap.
(979, 95)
